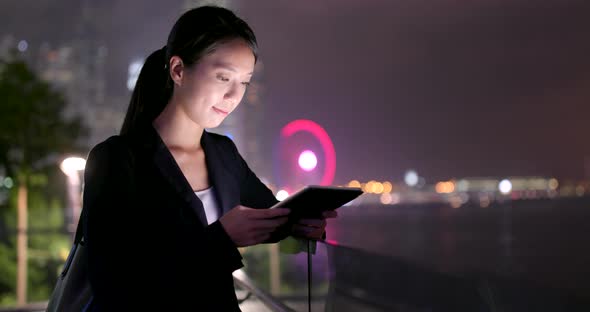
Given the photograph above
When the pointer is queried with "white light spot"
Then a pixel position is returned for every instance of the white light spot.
(505, 186)
(411, 178)
(307, 160)
(281, 195)
(23, 45)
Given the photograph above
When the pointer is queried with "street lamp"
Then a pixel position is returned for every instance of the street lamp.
(71, 167)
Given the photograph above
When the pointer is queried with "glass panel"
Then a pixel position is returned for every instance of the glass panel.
(510, 256)
(280, 269)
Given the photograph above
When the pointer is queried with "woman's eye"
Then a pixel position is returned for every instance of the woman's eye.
(222, 78)
(246, 83)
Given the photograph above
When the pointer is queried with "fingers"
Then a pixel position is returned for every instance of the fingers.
(247, 226)
(270, 224)
(261, 229)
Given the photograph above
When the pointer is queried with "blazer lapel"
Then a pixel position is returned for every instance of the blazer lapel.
(220, 176)
(170, 170)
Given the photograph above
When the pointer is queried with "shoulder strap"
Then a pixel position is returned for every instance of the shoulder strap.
(79, 229)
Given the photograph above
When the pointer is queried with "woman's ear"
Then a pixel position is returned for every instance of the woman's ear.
(176, 70)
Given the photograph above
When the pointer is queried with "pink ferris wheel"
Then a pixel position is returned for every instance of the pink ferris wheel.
(307, 159)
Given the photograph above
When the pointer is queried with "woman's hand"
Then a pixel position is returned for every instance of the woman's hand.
(313, 228)
(248, 226)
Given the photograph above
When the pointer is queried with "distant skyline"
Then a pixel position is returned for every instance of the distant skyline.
(450, 89)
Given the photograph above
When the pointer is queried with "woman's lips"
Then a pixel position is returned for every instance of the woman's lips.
(220, 111)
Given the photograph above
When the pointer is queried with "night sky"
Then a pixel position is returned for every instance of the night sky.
(449, 88)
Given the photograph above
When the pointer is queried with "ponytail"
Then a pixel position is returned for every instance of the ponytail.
(150, 95)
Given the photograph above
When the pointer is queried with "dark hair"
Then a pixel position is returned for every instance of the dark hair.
(197, 33)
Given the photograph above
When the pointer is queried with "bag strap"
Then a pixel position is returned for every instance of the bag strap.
(80, 229)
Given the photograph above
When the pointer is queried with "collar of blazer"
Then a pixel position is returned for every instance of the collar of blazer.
(223, 181)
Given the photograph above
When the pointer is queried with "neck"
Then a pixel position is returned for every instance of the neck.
(177, 130)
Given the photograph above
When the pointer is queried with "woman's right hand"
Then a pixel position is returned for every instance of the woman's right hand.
(248, 226)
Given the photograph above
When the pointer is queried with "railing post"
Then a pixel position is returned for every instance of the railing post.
(275, 269)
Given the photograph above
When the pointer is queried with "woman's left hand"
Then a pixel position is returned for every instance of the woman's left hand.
(313, 228)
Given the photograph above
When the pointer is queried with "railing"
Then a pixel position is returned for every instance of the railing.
(32, 307)
(242, 280)
(516, 256)
(526, 255)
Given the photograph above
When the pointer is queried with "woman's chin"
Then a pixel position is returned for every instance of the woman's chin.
(213, 124)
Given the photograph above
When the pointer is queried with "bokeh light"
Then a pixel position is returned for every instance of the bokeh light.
(282, 195)
(505, 186)
(307, 160)
(411, 178)
(354, 183)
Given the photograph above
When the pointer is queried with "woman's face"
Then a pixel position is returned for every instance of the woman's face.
(212, 88)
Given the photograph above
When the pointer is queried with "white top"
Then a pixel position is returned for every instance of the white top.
(207, 196)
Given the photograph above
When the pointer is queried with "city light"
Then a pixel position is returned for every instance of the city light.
(368, 187)
(354, 183)
(445, 187)
(505, 186)
(411, 178)
(387, 187)
(386, 198)
(23, 45)
(282, 195)
(553, 184)
(307, 160)
(482, 190)
(378, 188)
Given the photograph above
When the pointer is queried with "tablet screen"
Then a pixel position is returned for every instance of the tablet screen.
(312, 200)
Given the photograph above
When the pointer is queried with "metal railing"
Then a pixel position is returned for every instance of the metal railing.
(31, 307)
(242, 280)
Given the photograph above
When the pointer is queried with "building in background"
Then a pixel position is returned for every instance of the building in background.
(77, 69)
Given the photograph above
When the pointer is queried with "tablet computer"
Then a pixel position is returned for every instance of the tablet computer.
(313, 200)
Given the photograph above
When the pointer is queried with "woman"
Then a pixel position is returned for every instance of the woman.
(167, 203)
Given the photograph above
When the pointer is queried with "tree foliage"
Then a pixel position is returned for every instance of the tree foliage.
(35, 135)
(33, 130)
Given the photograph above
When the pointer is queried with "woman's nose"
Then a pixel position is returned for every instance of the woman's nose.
(234, 93)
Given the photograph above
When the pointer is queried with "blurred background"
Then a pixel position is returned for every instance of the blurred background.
(465, 123)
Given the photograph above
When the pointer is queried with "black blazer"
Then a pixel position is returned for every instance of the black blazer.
(149, 247)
